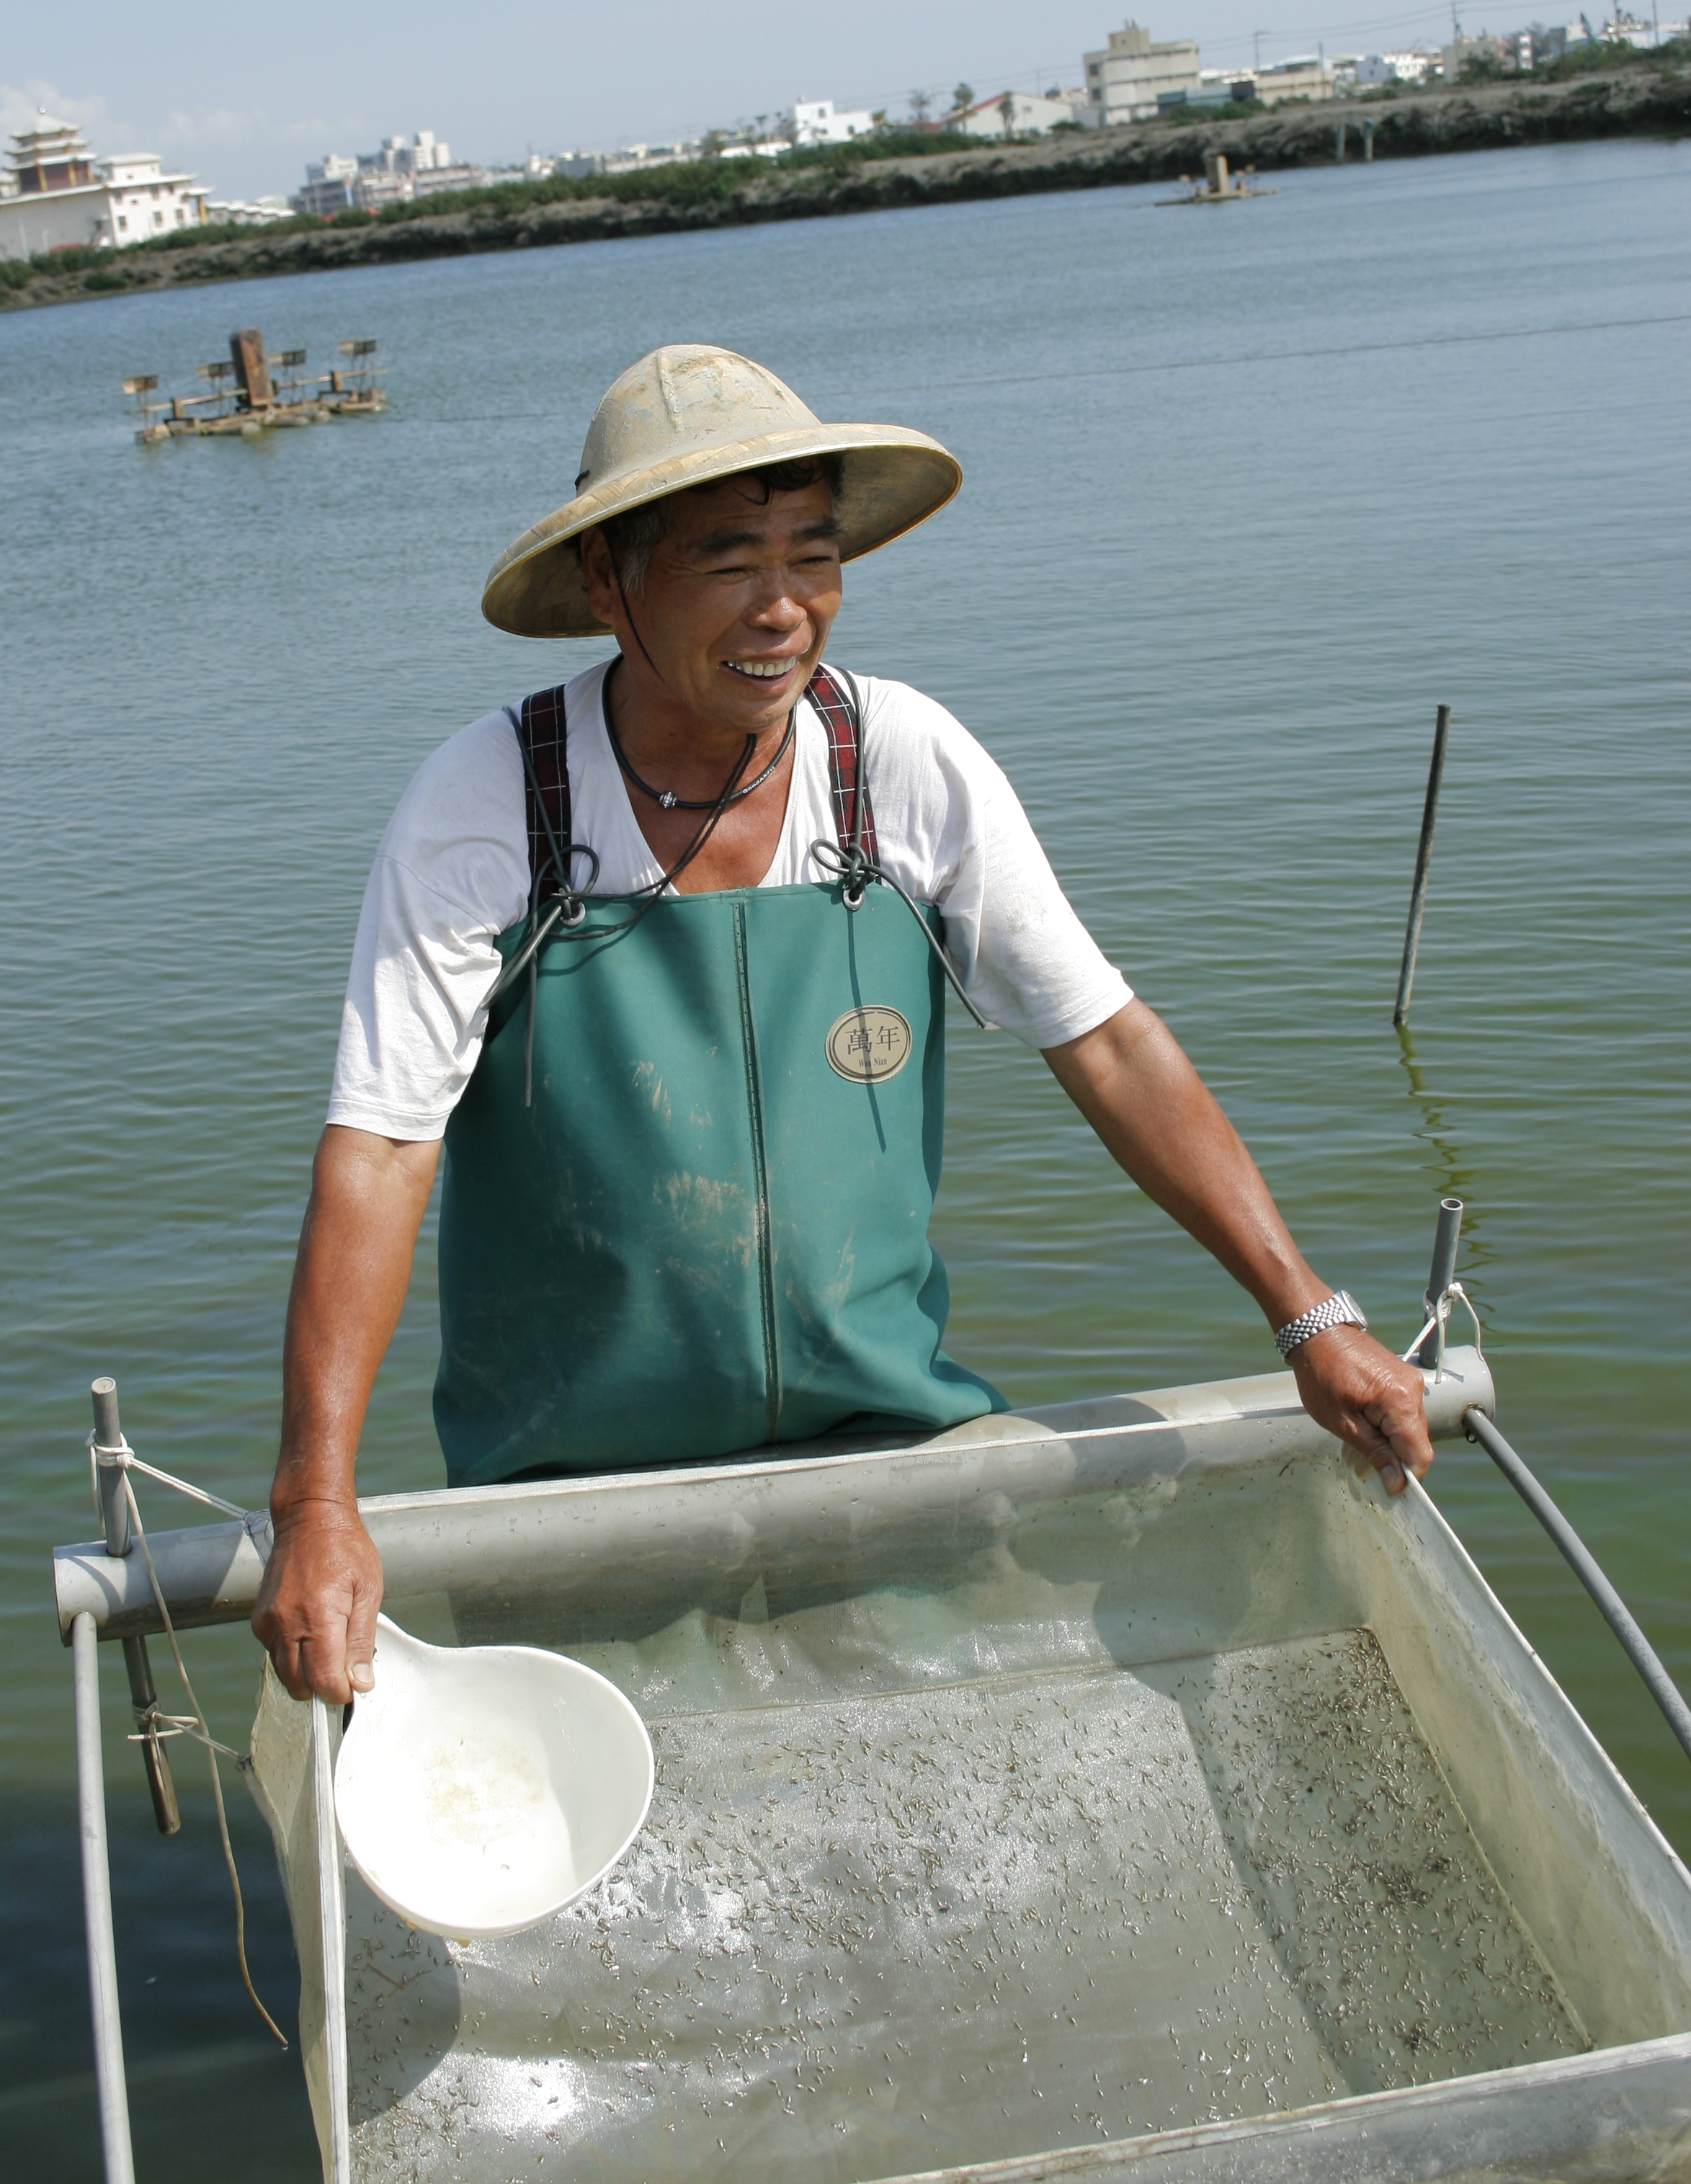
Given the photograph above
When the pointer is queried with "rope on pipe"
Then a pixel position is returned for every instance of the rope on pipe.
(1441, 1313)
(1580, 1559)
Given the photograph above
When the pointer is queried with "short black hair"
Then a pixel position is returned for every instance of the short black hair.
(633, 534)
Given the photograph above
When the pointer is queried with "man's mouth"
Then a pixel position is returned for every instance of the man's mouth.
(762, 670)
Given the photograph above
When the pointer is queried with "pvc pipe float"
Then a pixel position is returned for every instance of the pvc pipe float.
(469, 1535)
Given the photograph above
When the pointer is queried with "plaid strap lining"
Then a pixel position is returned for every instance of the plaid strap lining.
(845, 742)
(545, 738)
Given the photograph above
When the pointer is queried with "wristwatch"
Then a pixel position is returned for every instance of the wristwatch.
(1341, 1309)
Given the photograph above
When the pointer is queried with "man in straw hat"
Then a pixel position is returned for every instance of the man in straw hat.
(661, 955)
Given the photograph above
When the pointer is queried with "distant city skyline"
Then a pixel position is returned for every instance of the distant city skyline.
(550, 79)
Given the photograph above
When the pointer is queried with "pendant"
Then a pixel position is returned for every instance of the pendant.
(668, 799)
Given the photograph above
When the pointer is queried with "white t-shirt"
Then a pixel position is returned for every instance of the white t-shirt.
(452, 872)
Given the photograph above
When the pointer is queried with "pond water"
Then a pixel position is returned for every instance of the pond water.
(1246, 496)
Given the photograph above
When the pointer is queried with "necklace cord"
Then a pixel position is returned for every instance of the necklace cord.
(569, 908)
(669, 800)
(568, 911)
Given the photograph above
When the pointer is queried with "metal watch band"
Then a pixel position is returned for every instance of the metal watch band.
(1341, 1309)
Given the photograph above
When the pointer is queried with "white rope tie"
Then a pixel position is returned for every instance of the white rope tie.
(126, 1458)
(159, 1726)
(203, 1736)
(1441, 1313)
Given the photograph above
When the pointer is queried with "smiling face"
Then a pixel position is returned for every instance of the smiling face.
(735, 607)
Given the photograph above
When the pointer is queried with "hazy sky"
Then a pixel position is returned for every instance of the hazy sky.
(245, 105)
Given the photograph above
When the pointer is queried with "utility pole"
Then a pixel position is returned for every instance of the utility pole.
(1257, 35)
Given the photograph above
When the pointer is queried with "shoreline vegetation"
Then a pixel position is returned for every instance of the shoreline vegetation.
(1643, 93)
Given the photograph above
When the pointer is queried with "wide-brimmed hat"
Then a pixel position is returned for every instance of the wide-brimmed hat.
(685, 415)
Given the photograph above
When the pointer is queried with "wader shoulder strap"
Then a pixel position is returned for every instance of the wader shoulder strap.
(546, 784)
(838, 715)
(541, 731)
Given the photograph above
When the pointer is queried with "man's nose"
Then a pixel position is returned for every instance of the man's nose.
(774, 607)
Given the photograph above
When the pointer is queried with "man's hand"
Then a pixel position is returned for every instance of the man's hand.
(1354, 1387)
(316, 1611)
(315, 1616)
(1153, 1112)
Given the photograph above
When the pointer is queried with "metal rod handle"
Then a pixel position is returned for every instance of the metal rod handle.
(1423, 858)
(96, 1908)
(108, 1435)
(144, 1699)
(1614, 1612)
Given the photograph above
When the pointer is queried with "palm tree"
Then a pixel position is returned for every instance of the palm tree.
(1007, 113)
(963, 98)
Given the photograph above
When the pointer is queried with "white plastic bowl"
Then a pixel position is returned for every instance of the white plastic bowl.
(480, 1790)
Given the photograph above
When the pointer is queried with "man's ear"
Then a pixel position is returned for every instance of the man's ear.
(597, 575)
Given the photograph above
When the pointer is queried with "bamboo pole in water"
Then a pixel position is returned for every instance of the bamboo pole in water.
(1423, 858)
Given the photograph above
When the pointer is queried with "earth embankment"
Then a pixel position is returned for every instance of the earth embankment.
(1485, 117)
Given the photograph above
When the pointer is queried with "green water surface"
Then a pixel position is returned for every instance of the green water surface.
(1246, 496)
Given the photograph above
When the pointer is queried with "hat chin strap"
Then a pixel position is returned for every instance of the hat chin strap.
(744, 759)
(628, 613)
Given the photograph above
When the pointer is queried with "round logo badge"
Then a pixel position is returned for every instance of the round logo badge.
(868, 1044)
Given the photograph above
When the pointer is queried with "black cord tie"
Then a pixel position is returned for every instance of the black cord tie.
(568, 908)
(857, 869)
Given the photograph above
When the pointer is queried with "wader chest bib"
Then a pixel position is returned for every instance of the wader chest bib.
(688, 1189)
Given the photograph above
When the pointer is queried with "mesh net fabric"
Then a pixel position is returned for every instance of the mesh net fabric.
(951, 1862)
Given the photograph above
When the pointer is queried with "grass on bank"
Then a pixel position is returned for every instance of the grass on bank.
(678, 182)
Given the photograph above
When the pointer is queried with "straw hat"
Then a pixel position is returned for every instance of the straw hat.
(685, 415)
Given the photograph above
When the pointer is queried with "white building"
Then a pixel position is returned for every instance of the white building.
(1308, 77)
(423, 155)
(393, 174)
(246, 212)
(1413, 66)
(329, 183)
(1633, 31)
(1133, 78)
(815, 121)
(56, 194)
(435, 182)
(1026, 115)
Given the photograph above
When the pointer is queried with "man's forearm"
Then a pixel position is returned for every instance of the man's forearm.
(368, 1197)
(1131, 1080)
(1148, 1105)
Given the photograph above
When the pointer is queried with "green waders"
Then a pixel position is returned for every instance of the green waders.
(688, 1189)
